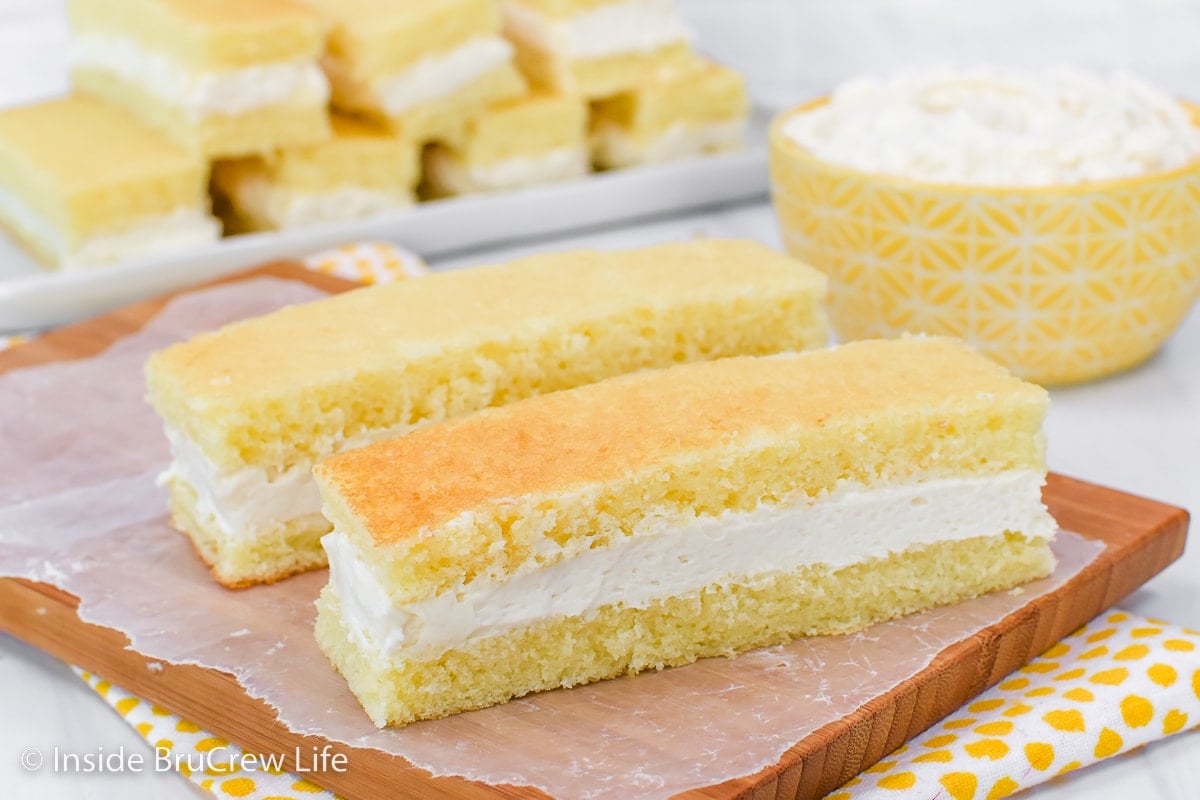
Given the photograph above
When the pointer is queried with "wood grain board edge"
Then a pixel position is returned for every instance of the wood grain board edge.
(46, 618)
(1143, 537)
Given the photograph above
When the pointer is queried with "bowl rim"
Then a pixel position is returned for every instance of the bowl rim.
(784, 145)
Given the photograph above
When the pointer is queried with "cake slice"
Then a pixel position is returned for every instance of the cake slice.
(653, 519)
(534, 139)
(250, 408)
(596, 47)
(426, 67)
(362, 170)
(223, 77)
(83, 184)
(690, 112)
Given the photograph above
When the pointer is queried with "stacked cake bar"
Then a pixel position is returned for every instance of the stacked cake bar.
(251, 408)
(596, 48)
(651, 97)
(84, 184)
(581, 465)
(536, 138)
(363, 169)
(427, 68)
(308, 112)
(652, 519)
(689, 112)
(222, 77)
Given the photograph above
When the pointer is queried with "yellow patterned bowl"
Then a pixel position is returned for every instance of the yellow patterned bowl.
(1060, 284)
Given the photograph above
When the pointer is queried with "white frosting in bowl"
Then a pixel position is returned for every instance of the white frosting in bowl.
(989, 127)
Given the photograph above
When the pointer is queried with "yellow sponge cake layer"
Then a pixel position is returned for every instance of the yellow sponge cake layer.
(207, 34)
(439, 108)
(374, 40)
(537, 138)
(428, 68)
(259, 130)
(602, 76)
(688, 112)
(655, 518)
(362, 170)
(277, 390)
(251, 407)
(359, 153)
(83, 182)
(596, 49)
(445, 118)
(224, 78)
(534, 123)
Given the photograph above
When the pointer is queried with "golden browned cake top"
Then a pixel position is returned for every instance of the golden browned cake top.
(382, 328)
(604, 431)
(77, 143)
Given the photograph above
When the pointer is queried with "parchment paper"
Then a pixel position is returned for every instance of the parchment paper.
(79, 509)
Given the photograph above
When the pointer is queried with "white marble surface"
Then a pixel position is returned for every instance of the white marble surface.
(1139, 431)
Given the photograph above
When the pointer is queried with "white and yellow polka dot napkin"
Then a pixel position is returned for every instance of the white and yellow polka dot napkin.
(1112, 686)
(367, 262)
(210, 762)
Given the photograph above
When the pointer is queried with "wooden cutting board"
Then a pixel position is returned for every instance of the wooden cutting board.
(1141, 536)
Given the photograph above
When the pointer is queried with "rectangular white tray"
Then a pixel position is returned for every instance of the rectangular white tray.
(32, 297)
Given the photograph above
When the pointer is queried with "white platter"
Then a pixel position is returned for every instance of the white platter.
(32, 297)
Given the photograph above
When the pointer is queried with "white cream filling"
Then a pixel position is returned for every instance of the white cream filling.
(441, 74)
(668, 556)
(999, 127)
(448, 173)
(614, 147)
(252, 501)
(207, 93)
(629, 26)
(287, 208)
(180, 229)
(245, 503)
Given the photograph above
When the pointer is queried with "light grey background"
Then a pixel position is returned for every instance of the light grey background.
(794, 49)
